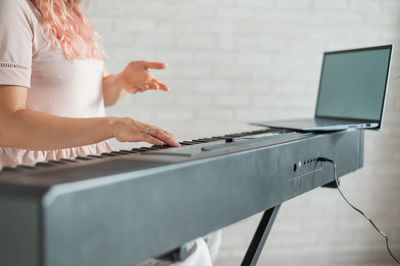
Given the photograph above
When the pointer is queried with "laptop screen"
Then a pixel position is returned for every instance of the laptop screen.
(353, 84)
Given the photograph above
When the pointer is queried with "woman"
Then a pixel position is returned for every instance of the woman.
(53, 87)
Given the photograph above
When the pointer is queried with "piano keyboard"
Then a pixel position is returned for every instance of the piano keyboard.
(194, 147)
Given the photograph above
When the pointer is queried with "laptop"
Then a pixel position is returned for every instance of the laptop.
(352, 92)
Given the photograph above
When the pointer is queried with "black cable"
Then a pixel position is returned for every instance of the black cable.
(323, 159)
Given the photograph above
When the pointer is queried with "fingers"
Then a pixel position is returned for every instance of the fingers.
(135, 76)
(147, 80)
(152, 140)
(163, 136)
(139, 89)
(154, 85)
(127, 129)
(154, 65)
(164, 87)
(161, 85)
(169, 134)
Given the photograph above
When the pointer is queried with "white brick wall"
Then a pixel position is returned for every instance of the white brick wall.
(232, 61)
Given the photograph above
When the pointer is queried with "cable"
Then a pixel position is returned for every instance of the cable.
(323, 159)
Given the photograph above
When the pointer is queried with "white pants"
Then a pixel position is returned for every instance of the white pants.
(203, 253)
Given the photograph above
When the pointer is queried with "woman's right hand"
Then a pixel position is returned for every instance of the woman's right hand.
(129, 130)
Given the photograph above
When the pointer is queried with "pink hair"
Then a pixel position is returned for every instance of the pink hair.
(68, 28)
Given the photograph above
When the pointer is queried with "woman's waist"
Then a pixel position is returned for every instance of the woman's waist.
(69, 101)
(67, 108)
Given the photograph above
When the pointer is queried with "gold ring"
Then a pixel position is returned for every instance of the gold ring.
(148, 130)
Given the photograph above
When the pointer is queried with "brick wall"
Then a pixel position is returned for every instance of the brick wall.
(233, 61)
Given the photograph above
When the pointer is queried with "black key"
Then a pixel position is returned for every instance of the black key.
(145, 148)
(118, 153)
(158, 147)
(125, 152)
(138, 149)
(8, 168)
(197, 141)
(68, 161)
(55, 162)
(206, 139)
(108, 154)
(83, 158)
(42, 164)
(188, 142)
(94, 156)
(25, 167)
(218, 138)
(153, 148)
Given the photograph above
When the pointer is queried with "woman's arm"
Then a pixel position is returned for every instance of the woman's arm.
(112, 90)
(134, 78)
(33, 130)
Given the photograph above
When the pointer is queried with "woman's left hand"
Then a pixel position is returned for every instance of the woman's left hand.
(136, 77)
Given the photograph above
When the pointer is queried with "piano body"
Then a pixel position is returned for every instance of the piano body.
(124, 207)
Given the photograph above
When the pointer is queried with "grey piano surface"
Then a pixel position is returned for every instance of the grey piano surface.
(123, 209)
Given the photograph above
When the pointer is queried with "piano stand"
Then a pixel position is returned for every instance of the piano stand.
(260, 236)
(256, 245)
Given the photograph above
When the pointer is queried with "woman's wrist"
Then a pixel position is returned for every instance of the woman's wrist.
(113, 81)
(118, 80)
(113, 90)
(111, 126)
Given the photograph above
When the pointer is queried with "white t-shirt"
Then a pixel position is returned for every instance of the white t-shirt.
(56, 85)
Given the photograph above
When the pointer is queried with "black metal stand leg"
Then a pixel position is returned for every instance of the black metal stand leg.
(259, 238)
